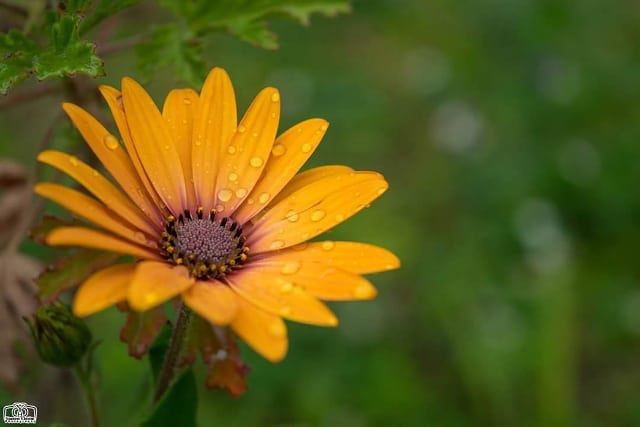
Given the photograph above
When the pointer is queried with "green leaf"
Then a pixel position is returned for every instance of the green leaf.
(17, 52)
(141, 329)
(68, 54)
(247, 18)
(69, 271)
(170, 45)
(180, 402)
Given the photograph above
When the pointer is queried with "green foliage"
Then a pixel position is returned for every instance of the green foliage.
(180, 401)
(247, 18)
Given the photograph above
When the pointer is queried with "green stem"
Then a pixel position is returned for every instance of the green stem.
(172, 356)
(85, 380)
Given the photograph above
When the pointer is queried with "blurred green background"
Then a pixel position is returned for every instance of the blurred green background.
(509, 131)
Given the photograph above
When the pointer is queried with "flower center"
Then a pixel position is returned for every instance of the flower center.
(207, 246)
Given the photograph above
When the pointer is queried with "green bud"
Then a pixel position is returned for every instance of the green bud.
(60, 338)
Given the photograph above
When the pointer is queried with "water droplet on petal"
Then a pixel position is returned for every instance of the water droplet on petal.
(292, 216)
(186, 101)
(225, 194)
(231, 149)
(339, 217)
(111, 142)
(275, 97)
(250, 201)
(264, 197)
(277, 329)
(74, 160)
(241, 129)
(306, 148)
(328, 245)
(286, 287)
(278, 150)
(317, 215)
(277, 244)
(256, 161)
(233, 177)
(241, 192)
(290, 267)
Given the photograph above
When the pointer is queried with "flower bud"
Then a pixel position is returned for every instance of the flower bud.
(60, 338)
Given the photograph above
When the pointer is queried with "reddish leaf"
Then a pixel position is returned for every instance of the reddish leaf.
(47, 223)
(71, 270)
(141, 329)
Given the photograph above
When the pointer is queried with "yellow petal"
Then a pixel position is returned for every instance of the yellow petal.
(274, 293)
(88, 238)
(156, 282)
(314, 209)
(155, 145)
(264, 332)
(244, 158)
(360, 258)
(214, 123)
(321, 280)
(290, 151)
(178, 111)
(212, 300)
(100, 187)
(308, 177)
(114, 100)
(107, 148)
(92, 210)
(103, 289)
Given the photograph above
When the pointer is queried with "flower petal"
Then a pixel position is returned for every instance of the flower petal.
(359, 258)
(155, 145)
(212, 300)
(156, 282)
(272, 292)
(91, 210)
(309, 177)
(103, 289)
(178, 111)
(314, 209)
(290, 151)
(100, 187)
(264, 332)
(88, 238)
(108, 150)
(244, 158)
(322, 280)
(114, 100)
(214, 123)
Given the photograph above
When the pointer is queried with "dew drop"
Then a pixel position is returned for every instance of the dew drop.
(264, 197)
(339, 217)
(290, 267)
(275, 97)
(241, 129)
(74, 160)
(241, 192)
(254, 134)
(250, 201)
(277, 244)
(306, 148)
(231, 149)
(225, 194)
(286, 287)
(277, 329)
(233, 177)
(317, 215)
(278, 150)
(328, 245)
(110, 142)
(256, 161)
(186, 101)
(292, 216)
(198, 141)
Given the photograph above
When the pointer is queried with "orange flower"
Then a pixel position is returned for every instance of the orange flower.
(216, 212)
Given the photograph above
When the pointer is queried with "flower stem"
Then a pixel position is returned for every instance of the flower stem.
(85, 379)
(172, 356)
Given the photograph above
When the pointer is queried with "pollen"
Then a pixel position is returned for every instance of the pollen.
(209, 247)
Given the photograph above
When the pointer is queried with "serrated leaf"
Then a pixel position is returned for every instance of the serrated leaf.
(247, 18)
(171, 45)
(17, 52)
(180, 401)
(48, 222)
(68, 54)
(71, 270)
(141, 329)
